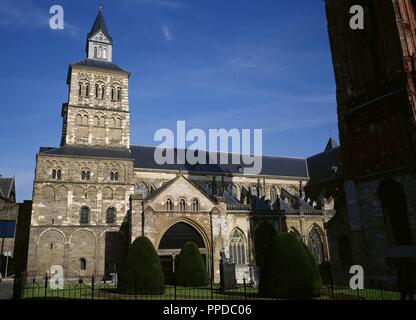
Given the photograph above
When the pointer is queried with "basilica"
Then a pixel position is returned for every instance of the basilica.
(96, 192)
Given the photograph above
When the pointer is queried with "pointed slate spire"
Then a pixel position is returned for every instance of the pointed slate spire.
(99, 24)
(99, 42)
(332, 144)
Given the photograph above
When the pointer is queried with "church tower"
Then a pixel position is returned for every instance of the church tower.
(97, 113)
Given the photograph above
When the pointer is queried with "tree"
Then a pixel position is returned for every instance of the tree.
(142, 271)
(191, 271)
(290, 271)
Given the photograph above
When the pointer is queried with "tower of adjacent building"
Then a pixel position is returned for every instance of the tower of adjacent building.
(375, 73)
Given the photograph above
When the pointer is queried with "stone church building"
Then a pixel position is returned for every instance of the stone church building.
(95, 193)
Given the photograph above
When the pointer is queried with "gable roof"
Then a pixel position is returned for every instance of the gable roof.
(273, 166)
(171, 182)
(99, 25)
(6, 187)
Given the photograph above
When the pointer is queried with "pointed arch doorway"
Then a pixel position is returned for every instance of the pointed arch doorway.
(171, 243)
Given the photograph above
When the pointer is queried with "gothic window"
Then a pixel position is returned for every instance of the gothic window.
(169, 205)
(112, 122)
(82, 264)
(273, 195)
(97, 89)
(142, 189)
(195, 205)
(233, 190)
(237, 248)
(182, 205)
(112, 94)
(102, 92)
(110, 215)
(80, 89)
(85, 215)
(85, 175)
(87, 90)
(315, 245)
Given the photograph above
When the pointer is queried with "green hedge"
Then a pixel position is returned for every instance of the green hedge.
(191, 270)
(290, 271)
(142, 271)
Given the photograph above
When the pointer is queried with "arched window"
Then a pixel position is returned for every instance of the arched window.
(315, 245)
(85, 120)
(195, 205)
(80, 89)
(182, 205)
(53, 174)
(105, 53)
(85, 175)
(344, 251)
(110, 215)
(233, 190)
(97, 89)
(96, 121)
(87, 90)
(102, 92)
(142, 189)
(169, 205)
(112, 94)
(84, 215)
(100, 52)
(95, 52)
(82, 264)
(58, 174)
(114, 176)
(237, 248)
(118, 94)
(78, 120)
(273, 195)
(118, 123)
(102, 122)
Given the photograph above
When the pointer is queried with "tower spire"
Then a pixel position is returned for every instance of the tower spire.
(99, 41)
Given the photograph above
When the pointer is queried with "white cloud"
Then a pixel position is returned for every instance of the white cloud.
(167, 33)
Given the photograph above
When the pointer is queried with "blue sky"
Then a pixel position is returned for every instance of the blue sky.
(216, 64)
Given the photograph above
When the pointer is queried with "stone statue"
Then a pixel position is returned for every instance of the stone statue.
(224, 256)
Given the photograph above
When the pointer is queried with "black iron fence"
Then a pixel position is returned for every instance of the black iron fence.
(105, 288)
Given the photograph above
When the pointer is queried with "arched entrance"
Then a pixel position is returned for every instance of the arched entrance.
(394, 205)
(171, 243)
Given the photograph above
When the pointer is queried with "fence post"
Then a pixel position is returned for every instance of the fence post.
(174, 285)
(245, 292)
(135, 288)
(92, 286)
(46, 285)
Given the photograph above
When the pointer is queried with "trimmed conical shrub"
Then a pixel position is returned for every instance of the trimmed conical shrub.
(142, 271)
(290, 271)
(190, 270)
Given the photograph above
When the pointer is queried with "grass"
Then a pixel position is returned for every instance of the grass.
(109, 292)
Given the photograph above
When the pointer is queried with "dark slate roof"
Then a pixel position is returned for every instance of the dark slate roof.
(332, 144)
(6, 187)
(273, 166)
(325, 166)
(99, 64)
(99, 24)
(91, 152)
